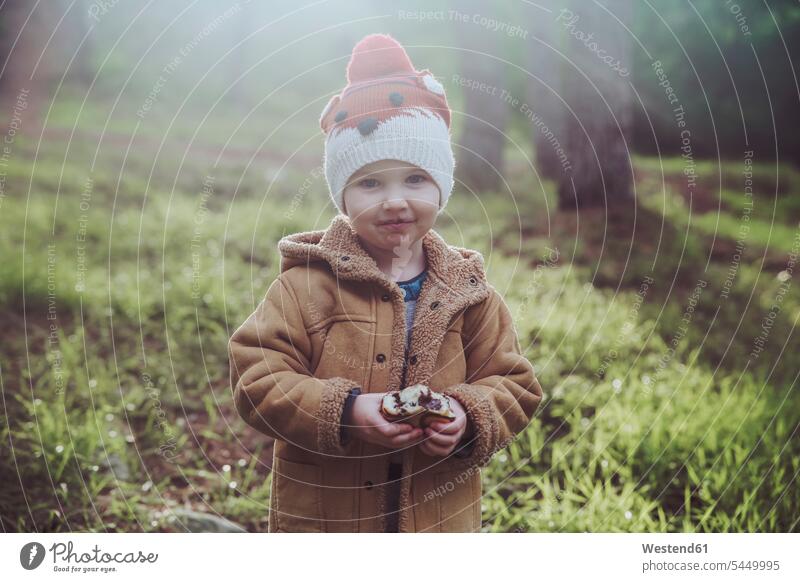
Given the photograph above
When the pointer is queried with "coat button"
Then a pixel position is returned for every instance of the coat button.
(435, 305)
(473, 281)
(381, 358)
(368, 484)
(413, 359)
(345, 258)
(385, 297)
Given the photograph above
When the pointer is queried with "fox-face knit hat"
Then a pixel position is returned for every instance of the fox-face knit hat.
(387, 111)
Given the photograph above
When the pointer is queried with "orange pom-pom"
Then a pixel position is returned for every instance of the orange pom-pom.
(377, 55)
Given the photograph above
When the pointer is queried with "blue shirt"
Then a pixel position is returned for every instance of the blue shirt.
(412, 289)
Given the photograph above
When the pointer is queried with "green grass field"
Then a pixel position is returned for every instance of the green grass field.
(121, 285)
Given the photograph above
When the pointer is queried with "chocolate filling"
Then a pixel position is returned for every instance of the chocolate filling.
(433, 405)
(427, 400)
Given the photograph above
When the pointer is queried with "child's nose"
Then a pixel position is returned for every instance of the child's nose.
(394, 200)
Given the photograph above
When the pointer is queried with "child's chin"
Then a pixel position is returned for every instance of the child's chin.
(399, 237)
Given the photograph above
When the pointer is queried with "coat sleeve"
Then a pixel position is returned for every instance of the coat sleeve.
(501, 392)
(273, 388)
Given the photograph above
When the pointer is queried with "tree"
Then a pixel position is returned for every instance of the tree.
(543, 85)
(596, 85)
(480, 158)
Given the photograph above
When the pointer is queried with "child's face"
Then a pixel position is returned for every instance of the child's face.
(391, 190)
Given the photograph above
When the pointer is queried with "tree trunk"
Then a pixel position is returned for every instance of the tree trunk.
(17, 54)
(480, 152)
(83, 66)
(543, 88)
(596, 86)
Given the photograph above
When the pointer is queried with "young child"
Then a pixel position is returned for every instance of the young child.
(376, 302)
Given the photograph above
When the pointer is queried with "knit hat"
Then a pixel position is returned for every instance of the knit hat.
(387, 111)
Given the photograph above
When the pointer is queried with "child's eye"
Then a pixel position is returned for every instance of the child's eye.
(416, 178)
(368, 183)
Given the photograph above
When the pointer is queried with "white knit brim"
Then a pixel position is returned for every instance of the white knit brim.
(416, 136)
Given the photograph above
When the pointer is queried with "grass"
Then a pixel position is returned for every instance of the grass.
(116, 404)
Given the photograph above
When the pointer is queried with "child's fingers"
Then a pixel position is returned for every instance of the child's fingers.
(438, 438)
(445, 427)
(404, 439)
(392, 430)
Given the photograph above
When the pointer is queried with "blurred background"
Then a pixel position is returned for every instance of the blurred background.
(628, 170)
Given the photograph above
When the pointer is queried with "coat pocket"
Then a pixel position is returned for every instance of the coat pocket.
(297, 496)
(459, 500)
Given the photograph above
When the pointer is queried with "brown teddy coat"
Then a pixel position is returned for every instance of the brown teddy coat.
(331, 321)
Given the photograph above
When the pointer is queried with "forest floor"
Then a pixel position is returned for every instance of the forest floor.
(662, 337)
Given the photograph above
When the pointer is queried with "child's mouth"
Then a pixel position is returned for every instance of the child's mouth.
(397, 226)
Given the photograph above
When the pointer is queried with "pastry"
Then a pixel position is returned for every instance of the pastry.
(417, 405)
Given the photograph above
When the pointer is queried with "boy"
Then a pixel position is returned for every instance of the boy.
(376, 302)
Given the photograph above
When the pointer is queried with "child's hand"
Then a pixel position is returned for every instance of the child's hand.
(369, 425)
(442, 437)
